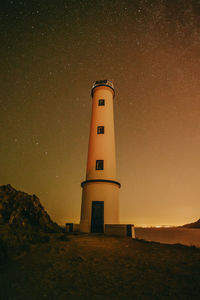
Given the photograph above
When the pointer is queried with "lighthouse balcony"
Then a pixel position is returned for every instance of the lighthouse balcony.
(102, 83)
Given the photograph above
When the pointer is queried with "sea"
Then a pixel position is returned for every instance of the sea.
(172, 235)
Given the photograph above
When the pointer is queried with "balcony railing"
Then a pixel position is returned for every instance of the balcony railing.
(104, 83)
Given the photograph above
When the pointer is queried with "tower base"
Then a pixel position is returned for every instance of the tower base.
(100, 205)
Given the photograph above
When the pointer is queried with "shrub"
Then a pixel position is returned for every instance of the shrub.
(63, 237)
(3, 250)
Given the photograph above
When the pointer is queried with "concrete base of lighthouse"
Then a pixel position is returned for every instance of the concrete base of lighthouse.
(100, 205)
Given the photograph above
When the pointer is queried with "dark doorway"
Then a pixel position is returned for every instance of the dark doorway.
(97, 221)
(129, 230)
(69, 227)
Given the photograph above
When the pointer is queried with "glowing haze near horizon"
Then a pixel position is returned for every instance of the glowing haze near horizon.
(52, 52)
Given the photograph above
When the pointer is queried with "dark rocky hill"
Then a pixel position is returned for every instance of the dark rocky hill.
(192, 225)
(21, 211)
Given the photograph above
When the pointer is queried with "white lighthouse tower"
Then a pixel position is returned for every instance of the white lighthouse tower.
(100, 196)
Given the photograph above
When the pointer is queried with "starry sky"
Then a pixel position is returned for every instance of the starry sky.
(52, 52)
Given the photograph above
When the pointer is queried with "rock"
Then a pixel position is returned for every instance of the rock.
(192, 225)
(22, 211)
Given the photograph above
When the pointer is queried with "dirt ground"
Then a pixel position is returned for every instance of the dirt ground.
(100, 267)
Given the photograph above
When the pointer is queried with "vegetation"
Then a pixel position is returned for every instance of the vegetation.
(39, 261)
(100, 267)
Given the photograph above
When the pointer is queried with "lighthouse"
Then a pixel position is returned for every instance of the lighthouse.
(100, 190)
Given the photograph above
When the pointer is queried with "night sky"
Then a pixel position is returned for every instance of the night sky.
(52, 52)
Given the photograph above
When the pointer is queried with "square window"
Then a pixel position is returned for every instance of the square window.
(99, 164)
(101, 102)
(100, 129)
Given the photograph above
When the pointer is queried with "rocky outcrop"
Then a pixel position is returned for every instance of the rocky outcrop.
(19, 210)
(192, 225)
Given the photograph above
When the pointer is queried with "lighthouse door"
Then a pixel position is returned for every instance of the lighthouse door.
(97, 221)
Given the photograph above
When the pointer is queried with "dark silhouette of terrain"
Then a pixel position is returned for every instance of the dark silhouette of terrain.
(23, 221)
(192, 225)
(39, 261)
(23, 212)
(95, 266)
